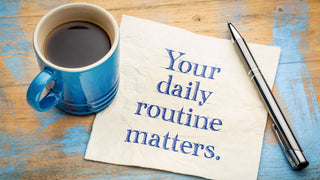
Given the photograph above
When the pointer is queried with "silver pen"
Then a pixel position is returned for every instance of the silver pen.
(280, 125)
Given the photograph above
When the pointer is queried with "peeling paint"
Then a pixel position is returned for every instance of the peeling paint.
(75, 140)
(13, 47)
(296, 93)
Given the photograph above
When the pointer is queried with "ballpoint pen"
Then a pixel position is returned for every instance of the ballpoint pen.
(288, 142)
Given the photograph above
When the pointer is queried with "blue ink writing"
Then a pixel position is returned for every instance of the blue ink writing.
(179, 116)
(170, 143)
(191, 92)
(184, 66)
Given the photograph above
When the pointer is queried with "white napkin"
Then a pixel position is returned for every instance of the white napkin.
(185, 104)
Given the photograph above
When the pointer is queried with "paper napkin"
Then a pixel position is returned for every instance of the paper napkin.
(185, 104)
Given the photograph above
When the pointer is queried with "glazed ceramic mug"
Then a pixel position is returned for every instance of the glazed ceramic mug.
(82, 90)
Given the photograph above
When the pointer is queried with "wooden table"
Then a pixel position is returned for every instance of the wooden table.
(51, 145)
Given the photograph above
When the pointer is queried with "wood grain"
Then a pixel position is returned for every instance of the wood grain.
(51, 145)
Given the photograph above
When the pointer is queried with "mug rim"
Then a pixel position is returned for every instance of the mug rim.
(114, 45)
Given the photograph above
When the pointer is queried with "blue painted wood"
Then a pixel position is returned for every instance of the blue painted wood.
(295, 87)
(52, 145)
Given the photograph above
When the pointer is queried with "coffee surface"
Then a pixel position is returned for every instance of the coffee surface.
(76, 44)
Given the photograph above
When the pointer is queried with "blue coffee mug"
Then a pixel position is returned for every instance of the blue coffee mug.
(79, 91)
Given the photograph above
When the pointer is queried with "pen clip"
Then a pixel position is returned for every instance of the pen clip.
(283, 145)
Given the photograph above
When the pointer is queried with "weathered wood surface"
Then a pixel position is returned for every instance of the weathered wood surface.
(51, 145)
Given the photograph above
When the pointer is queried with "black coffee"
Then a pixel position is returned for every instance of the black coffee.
(76, 44)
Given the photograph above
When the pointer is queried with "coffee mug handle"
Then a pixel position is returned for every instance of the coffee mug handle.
(36, 88)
